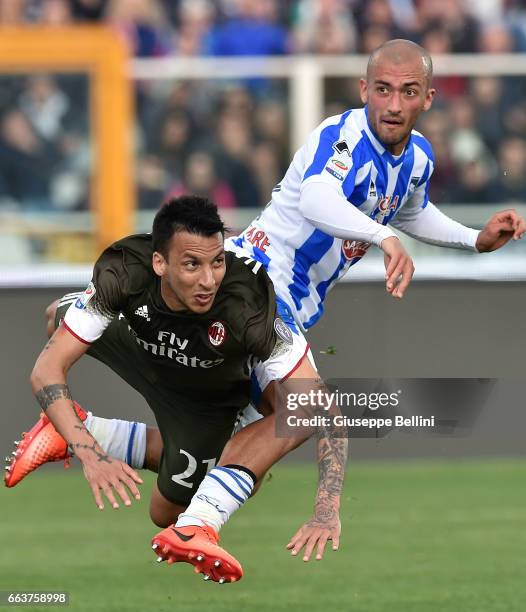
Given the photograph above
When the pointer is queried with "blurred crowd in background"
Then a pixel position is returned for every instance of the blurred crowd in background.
(229, 140)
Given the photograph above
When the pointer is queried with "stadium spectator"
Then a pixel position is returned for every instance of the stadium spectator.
(55, 13)
(510, 185)
(192, 36)
(26, 163)
(474, 181)
(13, 12)
(486, 99)
(200, 178)
(515, 119)
(45, 105)
(235, 147)
(324, 27)
(450, 14)
(496, 38)
(171, 141)
(379, 13)
(271, 126)
(438, 40)
(266, 168)
(88, 10)
(252, 31)
(436, 125)
(488, 11)
(152, 182)
(372, 37)
(142, 26)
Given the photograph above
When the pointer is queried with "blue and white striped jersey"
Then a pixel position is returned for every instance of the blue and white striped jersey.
(303, 261)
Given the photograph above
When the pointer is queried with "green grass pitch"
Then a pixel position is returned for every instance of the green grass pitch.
(417, 537)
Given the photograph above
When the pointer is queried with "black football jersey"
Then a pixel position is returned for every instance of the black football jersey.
(206, 357)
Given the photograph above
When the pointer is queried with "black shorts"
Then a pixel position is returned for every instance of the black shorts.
(193, 434)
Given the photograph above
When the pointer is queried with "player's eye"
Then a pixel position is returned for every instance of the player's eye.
(411, 92)
(381, 89)
(219, 261)
(190, 265)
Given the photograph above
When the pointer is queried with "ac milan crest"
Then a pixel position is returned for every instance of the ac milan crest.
(216, 333)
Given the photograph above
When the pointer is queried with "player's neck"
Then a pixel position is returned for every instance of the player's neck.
(170, 299)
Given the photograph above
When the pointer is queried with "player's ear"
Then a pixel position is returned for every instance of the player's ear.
(363, 91)
(430, 94)
(159, 263)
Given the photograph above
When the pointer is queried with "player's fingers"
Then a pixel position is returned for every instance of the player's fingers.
(503, 227)
(132, 473)
(391, 266)
(335, 537)
(309, 546)
(96, 494)
(320, 549)
(407, 275)
(504, 215)
(109, 494)
(131, 486)
(520, 228)
(299, 543)
(392, 281)
(295, 538)
(123, 494)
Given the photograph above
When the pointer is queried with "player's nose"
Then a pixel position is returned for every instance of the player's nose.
(206, 279)
(395, 103)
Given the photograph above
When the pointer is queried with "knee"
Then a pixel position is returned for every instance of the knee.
(159, 518)
(50, 314)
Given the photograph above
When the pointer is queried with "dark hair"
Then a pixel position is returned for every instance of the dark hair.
(191, 214)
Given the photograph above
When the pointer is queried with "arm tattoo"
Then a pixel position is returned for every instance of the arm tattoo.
(50, 394)
(332, 457)
(93, 448)
(50, 342)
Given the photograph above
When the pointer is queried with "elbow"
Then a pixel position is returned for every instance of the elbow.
(307, 205)
(35, 378)
(39, 375)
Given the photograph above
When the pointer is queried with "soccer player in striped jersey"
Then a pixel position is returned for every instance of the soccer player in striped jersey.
(359, 173)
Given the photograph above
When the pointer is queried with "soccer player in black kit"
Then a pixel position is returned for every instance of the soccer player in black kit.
(184, 323)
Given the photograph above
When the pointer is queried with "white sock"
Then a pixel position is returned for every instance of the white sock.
(123, 440)
(222, 491)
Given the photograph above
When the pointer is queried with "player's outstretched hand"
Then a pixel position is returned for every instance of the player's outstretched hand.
(499, 230)
(109, 475)
(316, 533)
(399, 268)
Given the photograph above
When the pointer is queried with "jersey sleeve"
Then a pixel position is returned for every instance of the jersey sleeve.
(432, 226)
(332, 158)
(104, 298)
(260, 335)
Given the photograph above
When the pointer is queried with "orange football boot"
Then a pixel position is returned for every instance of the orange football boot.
(42, 444)
(198, 546)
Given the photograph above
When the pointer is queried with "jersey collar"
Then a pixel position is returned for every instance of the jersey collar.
(379, 147)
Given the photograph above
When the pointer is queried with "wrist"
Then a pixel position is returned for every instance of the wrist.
(381, 244)
(88, 451)
(327, 506)
(479, 246)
